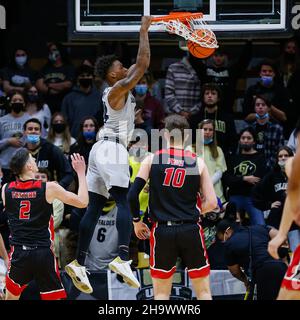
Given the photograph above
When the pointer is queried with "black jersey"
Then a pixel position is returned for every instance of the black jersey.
(29, 214)
(174, 185)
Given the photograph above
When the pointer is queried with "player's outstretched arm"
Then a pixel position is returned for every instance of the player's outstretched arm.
(80, 200)
(209, 198)
(136, 71)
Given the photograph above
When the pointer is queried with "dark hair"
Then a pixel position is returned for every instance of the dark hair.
(263, 97)
(287, 149)
(15, 94)
(213, 147)
(81, 139)
(18, 161)
(34, 120)
(270, 63)
(62, 50)
(84, 69)
(103, 64)
(224, 224)
(39, 103)
(210, 87)
(250, 130)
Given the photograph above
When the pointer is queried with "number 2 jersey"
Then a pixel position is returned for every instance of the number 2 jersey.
(29, 215)
(174, 186)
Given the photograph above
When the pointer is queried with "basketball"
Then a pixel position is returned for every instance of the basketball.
(198, 51)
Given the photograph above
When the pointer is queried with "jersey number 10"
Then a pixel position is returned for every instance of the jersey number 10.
(174, 177)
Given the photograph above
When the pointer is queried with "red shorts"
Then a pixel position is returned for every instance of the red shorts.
(291, 280)
(186, 241)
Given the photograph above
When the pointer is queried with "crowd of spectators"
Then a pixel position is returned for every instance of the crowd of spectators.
(57, 110)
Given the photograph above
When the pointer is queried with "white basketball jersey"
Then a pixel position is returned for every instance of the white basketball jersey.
(118, 123)
(104, 244)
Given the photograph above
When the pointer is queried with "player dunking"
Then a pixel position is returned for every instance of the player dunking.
(176, 177)
(290, 287)
(28, 204)
(108, 169)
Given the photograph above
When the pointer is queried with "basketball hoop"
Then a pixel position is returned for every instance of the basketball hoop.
(202, 41)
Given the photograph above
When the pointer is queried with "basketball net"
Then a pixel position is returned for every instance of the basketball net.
(203, 35)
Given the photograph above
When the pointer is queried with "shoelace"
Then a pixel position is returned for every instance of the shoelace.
(84, 271)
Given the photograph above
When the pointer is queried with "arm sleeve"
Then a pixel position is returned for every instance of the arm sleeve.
(217, 176)
(133, 197)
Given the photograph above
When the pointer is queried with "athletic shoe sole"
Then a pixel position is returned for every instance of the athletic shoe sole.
(125, 278)
(77, 283)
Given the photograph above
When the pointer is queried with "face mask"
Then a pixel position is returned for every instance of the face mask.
(281, 164)
(33, 97)
(246, 147)
(89, 135)
(33, 138)
(208, 140)
(59, 127)
(54, 55)
(17, 107)
(85, 82)
(20, 61)
(141, 89)
(265, 116)
(266, 80)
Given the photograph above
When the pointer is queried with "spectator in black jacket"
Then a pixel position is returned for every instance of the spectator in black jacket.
(270, 194)
(244, 171)
(225, 73)
(224, 124)
(47, 155)
(83, 101)
(272, 89)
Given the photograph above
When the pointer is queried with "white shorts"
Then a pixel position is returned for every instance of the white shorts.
(108, 166)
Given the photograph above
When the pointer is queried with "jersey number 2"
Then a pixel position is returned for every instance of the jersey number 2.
(24, 210)
(175, 178)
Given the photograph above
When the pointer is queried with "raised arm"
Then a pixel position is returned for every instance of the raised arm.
(80, 200)
(135, 72)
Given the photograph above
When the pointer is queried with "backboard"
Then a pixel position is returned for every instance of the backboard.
(119, 19)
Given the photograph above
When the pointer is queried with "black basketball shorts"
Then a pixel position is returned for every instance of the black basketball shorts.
(37, 264)
(186, 241)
